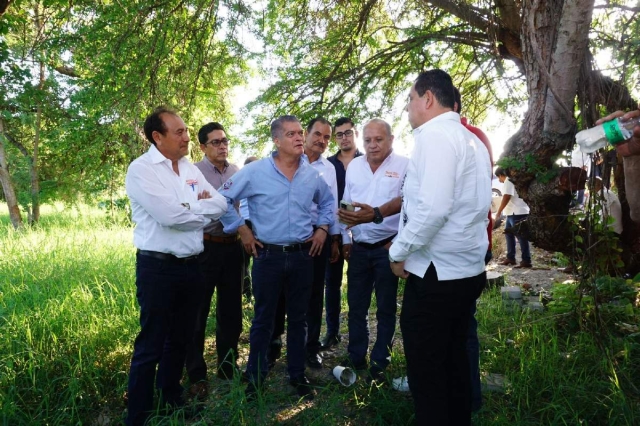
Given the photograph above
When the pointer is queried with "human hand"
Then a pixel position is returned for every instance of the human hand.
(249, 241)
(631, 147)
(204, 195)
(398, 269)
(353, 218)
(317, 241)
(335, 251)
(346, 251)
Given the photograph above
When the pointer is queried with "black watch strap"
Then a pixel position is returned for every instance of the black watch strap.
(377, 216)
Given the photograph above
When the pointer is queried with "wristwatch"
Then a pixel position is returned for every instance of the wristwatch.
(377, 216)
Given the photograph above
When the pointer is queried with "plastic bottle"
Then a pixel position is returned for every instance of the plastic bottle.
(613, 132)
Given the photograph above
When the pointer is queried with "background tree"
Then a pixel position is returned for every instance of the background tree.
(356, 58)
(81, 77)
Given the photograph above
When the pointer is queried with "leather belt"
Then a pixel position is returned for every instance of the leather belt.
(220, 240)
(167, 257)
(371, 246)
(287, 249)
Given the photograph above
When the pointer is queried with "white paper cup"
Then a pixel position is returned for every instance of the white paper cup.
(401, 384)
(345, 375)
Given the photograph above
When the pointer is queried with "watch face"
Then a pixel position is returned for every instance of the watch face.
(377, 216)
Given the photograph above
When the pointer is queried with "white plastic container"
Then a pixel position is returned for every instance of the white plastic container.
(613, 132)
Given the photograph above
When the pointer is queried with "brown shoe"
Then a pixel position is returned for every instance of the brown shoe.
(199, 391)
(507, 262)
(523, 264)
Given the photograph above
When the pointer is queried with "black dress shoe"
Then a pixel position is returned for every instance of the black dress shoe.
(314, 361)
(375, 376)
(303, 387)
(329, 341)
(251, 392)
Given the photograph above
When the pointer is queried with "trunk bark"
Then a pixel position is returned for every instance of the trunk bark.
(7, 184)
(555, 41)
(34, 215)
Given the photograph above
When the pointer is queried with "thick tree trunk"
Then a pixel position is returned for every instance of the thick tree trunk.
(7, 184)
(554, 40)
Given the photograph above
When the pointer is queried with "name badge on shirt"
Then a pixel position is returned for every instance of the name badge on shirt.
(391, 174)
(192, 183)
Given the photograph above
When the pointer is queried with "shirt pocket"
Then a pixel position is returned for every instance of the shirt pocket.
(388, 187)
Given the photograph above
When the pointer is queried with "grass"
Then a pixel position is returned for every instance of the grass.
(68, 318)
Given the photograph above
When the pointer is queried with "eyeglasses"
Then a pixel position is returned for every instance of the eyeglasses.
(347, 133)
(217, 142)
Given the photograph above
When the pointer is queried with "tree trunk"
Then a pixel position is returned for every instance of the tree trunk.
(34, 217)
(7, 184)
(555, 41)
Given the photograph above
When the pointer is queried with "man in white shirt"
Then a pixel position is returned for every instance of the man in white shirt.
(374, 179)
(171, 202)
(610, 207)
(516, 211)
(440, 250)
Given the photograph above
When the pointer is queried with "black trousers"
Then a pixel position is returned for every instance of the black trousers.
(316, 303)
(434, 323)
(222, 268)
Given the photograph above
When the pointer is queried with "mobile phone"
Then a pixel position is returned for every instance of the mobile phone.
(346, 206)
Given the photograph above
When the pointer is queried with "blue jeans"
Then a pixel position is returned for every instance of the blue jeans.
(368, 271)
(511, 239)
(333, 296)
(167, 294)
(272, 271)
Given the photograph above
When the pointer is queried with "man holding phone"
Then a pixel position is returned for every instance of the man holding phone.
(374, 179)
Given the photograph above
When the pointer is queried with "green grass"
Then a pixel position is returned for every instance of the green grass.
(68, 317)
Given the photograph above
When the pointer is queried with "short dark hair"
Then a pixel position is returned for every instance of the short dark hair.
(457, 99)
(154, 122)
(343, 120)
(321, 120)
(250, 159)
(439, 83)
(501, 172)
(276, 125)
(208, 128)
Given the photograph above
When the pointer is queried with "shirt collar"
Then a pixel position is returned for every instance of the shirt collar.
(320, 159)
(445, 116)
(226, 165)
(158, 157)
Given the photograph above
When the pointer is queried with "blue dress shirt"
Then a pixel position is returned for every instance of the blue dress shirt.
(280, 209)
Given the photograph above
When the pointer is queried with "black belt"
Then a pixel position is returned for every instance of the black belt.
(371, 246)
(167, 257)
(287, 249)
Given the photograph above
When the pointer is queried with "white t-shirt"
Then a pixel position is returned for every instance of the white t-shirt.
(516, 204)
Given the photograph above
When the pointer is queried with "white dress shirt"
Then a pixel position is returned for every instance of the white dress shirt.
(374, 189)
(446, 197)
(157, 196)
(516, 204)
(610, 207)
(328, 173)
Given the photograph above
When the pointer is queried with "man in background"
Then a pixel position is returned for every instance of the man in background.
(221, 264)
(244, 212)
(346, 135)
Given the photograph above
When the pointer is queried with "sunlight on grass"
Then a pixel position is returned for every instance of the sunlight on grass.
(68, 317)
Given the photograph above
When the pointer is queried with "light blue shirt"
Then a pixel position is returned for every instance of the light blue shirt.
(280, 209)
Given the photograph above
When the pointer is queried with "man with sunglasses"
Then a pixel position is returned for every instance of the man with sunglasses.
(222, 266)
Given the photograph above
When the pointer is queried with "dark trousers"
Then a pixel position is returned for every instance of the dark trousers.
(333, 295)
(314, 312)
(222, 269)
(435, 322)
(369, 271)
(273, 271)
(167, 293)
(513, 220)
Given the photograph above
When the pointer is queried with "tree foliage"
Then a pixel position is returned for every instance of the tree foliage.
(106, 65)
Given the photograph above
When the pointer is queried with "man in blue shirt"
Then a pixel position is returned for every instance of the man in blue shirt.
(280, 191)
